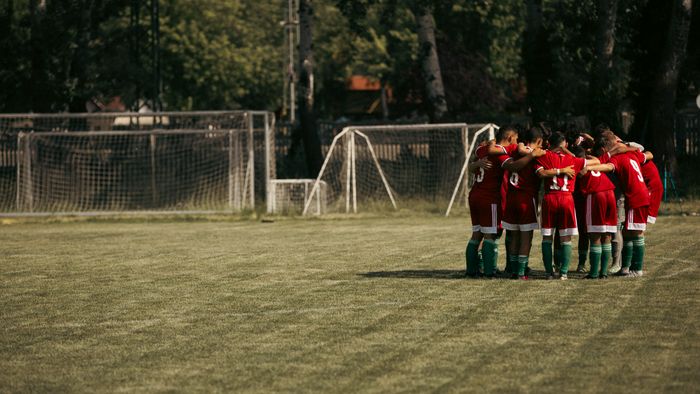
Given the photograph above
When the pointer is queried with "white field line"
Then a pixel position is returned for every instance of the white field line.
(691, 267)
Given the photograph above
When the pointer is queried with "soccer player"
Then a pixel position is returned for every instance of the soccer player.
(559, 169)
(599, 213)
(628, 168)
(484, 203)
(520, 216)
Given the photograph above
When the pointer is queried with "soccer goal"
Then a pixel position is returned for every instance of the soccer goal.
(414, 167)
(220, 165)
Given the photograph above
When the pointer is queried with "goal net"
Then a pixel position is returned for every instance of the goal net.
(414, 167)
(222, 162)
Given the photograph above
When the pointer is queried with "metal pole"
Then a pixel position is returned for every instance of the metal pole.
(354, 177)
(348, 170)
(230, 169)
(154, 192)
(323, 168)
(251, 161)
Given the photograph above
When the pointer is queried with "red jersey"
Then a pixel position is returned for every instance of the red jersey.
(628, 167)
(560, 183)
(651, 176)
(510, 150)
(594, 182)
(487, 183)
(525, 180)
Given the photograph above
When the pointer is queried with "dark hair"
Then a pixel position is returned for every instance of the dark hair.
(555, 139)
(600, 143)
(531, 135)
(577, 150)
(600, 129)
(504, 132)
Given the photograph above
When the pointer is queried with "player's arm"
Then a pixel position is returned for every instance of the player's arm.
(592, 161)
(599, 167)
(517, 165)
(621, 147)
(552, 172)
(481, 163)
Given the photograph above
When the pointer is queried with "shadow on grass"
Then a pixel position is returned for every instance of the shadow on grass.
(453, 274)
(416, 274)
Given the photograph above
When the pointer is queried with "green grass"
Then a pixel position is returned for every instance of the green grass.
(354, 305)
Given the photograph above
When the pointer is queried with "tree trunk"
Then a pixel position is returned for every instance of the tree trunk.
(535, 61)
(602, 107)
(663, 96)
(306, 131)
(430, 63)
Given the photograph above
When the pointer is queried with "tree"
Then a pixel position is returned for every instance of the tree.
(665, 84)
(430, 63)
(306, 131)
(602, 107)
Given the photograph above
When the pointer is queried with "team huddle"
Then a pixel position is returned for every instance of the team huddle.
(585, 181)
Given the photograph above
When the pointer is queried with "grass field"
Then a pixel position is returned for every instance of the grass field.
(355, 305)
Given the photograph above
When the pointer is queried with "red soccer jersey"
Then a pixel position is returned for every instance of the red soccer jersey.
(651, 176)
(560, 183)
(525, 180)
(510, 150)
(487, 183)
(628, 167)
(594, 182)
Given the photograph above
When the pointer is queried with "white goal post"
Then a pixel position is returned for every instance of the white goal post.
(405, 166)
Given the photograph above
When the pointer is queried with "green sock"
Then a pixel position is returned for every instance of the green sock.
(565, 257)
(512, 266)
(547, 256)
(490, 253)
(472, 254)
(596, 252)
(557, 255)
(638, 254)
(509, 258)
(522, 265)
(627, 249)
(605, 258)
(481, 260)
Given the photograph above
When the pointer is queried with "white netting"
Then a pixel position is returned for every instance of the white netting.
(172, 161)
(131, 171)
(287, 196)
(412, 167)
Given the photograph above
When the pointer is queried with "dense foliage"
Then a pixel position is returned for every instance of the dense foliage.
(231, 54)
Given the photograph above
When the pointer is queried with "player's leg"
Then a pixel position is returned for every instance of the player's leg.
(596, 251)
(513, 246)
(567, 227)
(472, 254)
(617, 241)
(489, 229)
(580, 204)
(524, 253)
(548, 218)
(606, 254)
(634, 248)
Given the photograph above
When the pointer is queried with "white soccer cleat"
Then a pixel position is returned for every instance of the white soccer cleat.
(614, 269)
(563, 277)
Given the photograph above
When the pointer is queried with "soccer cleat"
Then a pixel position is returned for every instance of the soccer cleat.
(472, 276)
(623, 272)
(492, 276)
(590, 277)
(603, 277)
(550, 277)
(524, 277)
(563, 277)
(636, 274)
(581, 269)
(614, 269)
